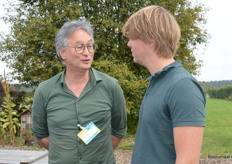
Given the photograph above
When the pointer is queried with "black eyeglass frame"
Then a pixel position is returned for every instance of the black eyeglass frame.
(94, 46)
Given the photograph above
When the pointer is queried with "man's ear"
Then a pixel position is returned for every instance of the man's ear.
(151, 44)
(62, 53)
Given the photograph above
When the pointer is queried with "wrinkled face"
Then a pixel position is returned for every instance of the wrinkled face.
(74, 59)
(139, 51)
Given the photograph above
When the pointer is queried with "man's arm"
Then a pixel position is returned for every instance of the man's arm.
(118, 116)
(188, 141)
(45, 142)
(115, 141)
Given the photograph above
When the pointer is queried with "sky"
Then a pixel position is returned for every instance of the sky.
(216, 57)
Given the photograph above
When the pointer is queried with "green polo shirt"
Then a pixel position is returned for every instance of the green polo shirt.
(56, 111)
(173, 98)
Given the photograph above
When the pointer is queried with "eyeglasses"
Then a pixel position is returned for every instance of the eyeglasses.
(81, 48)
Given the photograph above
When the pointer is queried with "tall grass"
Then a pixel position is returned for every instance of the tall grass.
(217, 139)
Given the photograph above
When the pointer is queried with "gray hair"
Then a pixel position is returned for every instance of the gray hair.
(67, 29)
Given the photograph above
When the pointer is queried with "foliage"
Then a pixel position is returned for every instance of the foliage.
(19, 141)
(217, 133)
(29, 48)
(9, 116)
(36, 146)
(215, 84)
(26, 103)
(28, 136)
(17, 97)
(2, 131)
(221, 93)
(132, 86)
(127, 143)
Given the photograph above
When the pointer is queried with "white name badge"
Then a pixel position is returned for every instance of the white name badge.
(88, 133)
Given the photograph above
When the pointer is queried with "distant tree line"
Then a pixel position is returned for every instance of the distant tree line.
(221, 93)
(218, 89)
(216, 84)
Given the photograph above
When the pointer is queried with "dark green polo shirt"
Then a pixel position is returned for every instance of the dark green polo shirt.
(57, 111)
(173, 98)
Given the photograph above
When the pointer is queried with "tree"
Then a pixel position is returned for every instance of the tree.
(29, 48)
(132, 86)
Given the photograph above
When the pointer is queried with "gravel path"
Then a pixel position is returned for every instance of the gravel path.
(124, 157)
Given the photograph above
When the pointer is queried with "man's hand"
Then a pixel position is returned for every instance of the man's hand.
(115, 141)
(45, 142)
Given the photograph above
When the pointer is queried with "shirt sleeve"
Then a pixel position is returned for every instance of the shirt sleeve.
(39, 117)
(118, 115)
(187, 104)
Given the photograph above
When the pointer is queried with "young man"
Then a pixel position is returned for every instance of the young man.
(79, 115)
(172, 114)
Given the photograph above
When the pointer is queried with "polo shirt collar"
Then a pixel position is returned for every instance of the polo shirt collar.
(94, 76)
(168, 67)
(62, 77)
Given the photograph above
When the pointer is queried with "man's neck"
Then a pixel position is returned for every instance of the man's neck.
(76, 81)
(77, 77)
(158, 64)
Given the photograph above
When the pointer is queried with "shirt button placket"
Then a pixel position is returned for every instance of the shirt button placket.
(78, 130)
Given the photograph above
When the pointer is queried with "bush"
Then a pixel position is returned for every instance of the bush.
(221, 93)
(28, 136)
(16, 95)
(132, 86)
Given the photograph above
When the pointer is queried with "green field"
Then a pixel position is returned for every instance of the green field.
(217, 139)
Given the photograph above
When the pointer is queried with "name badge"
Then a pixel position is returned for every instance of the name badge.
(88, 133)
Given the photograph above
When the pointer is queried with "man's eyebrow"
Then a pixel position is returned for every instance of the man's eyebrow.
(78, 42)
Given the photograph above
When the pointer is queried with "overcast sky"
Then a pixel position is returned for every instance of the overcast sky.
(217, 57)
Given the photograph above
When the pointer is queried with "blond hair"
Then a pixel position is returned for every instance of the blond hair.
(154, 24)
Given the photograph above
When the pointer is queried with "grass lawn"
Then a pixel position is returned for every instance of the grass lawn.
(217, 139)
